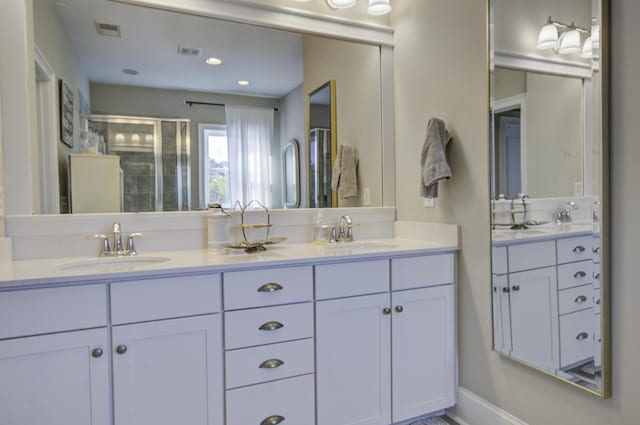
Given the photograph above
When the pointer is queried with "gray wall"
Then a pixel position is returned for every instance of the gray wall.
(292, 127)
(149, 102)
(433, 78)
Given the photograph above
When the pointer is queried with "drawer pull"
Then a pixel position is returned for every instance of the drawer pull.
(516, 288)
(579, 275)
(271, 364)
(270, 287)
(386, 311)
(580, 299)
(579, 249)
(598, 301)
(399, 309)
(582, 336)
(505, 289)
(121, 349)
(273, 420)
(597, 276)
(97, 352)
(596, 250)
(271, 326)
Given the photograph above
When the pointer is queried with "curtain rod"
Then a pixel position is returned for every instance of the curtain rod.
(193, 102)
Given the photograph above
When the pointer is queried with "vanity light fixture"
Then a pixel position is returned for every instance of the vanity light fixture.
(566, 39)
(341, 4)
(243, 83)
(213, 61)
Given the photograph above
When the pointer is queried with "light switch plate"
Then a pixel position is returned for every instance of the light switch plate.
(429, 202)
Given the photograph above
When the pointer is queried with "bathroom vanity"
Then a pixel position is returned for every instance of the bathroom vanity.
(299, 334)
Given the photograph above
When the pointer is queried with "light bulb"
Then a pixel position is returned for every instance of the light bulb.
(548, 37)
(341, 4)
(569, 42)
(379, 7)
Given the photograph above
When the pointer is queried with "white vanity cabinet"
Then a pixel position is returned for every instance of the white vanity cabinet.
(269, 346)
(385, 348)
(54, 356)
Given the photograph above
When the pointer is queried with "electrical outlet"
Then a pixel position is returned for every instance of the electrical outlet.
(429, 202)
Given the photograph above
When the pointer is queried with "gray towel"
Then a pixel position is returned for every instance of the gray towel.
(433, 161)
(344, 178)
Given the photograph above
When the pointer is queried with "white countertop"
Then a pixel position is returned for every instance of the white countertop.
(506, 236)
(18, 274)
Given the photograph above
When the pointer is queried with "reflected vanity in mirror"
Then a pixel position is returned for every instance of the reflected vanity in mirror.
(548, 189)
(291, 174)
(180, 66)
(322, 145)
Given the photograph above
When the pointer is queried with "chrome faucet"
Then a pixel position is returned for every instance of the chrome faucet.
(118, 250)
(345, 234)
(562, 214)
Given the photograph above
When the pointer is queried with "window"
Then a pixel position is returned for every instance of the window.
(214, 165)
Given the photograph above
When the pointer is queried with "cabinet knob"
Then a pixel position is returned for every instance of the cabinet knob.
(386, 310)
(580, 299)
(97, 352)
(516, 288)
(399, 309)
(596, 250)
(505, 289)
(596, 276)
(273, 420)
(270, 287)
(579, 275)
(579, 249)
(271, 326)
(271, 364)
(582, 336)
(121, 349)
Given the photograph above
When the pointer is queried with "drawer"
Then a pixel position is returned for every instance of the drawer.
(499, 260)
(269, 362)
(576, 337)
(245, 328)
(575, 299)
(261, 288)
(426, 270)
(575, 249)
(353, 278)
(292, 399)
(531, 255)
(575, 274)
(163, 298)
(40, 311)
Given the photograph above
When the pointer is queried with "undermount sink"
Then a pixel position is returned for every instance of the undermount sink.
(113, 263)
(358, 245)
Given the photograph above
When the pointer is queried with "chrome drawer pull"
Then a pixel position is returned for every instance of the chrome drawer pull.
(399, 309)
(273, 420)
(97, 352)
(597, 276)
(386, 311)
(579, 275)
(505, 289)
(271, 364)
(121, 349)
(515, 288)
(271, 326)
(596, 250)
(580, 299)
(578, 249)
(582, 335)
(270, 287)
(598, 301)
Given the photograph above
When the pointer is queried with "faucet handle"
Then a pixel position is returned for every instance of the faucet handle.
(105, 249)
(130, 244)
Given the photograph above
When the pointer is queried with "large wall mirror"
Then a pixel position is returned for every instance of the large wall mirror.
(179, 74)
(549, 188)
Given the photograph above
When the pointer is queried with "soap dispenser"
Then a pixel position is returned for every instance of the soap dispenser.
(217, 228)
(321, 231)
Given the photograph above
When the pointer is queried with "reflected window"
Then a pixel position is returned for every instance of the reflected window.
(215, 164)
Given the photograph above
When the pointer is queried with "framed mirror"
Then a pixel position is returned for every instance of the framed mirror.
(115, 66)
(549, 198)
(291, 174)
(322, 145)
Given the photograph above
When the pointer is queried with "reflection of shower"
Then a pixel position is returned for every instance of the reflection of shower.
(154, 157)
(320, 168)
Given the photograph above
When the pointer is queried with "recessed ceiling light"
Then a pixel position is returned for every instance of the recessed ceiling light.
(243, 83)
(130, 71)
(213, 61)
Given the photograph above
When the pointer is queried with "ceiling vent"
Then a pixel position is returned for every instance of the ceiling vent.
(189, 51)
(109, 30)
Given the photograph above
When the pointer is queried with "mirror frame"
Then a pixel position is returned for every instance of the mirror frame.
(293, 145)
(605, 220)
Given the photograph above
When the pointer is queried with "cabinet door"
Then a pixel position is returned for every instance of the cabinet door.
(534, 317)
(353, 356)
(501, 321)
(168, 372)
(55, 379)
(423, 351)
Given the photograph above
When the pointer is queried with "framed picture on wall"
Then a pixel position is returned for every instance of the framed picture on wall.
(66, 114)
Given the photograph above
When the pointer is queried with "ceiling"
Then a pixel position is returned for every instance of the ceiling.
(270, 59)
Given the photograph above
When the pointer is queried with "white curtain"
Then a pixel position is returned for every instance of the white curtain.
(249, 133)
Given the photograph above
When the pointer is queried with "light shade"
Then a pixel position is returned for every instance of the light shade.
(569, 42)
(379, 7)
(341, 4)
(548, 37)
(595, 36)
(587, 49)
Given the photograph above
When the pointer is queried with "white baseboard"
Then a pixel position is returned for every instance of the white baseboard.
(474, 410)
